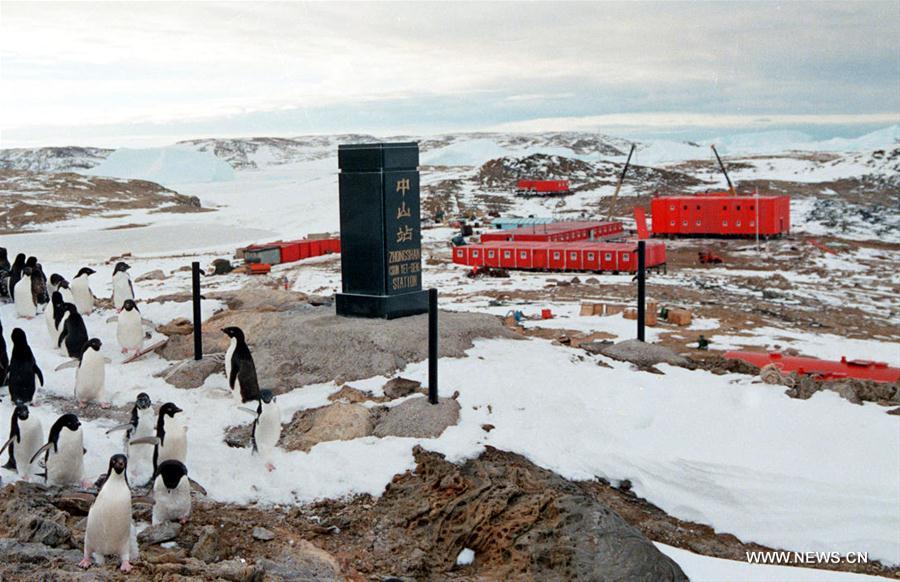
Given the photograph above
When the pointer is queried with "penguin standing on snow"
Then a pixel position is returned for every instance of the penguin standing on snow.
(4, 273)
(26, 434)
(239, 367)
(90, 378)
(171, 436)
(25, 306)
(141, 426)
(130, 328)
(74, 332)
(39, 285)
(4, 358)
(171, 493)
(81, 291)
(110, 530)
(266, 427)
(63, 452)
(59, 283)
(15, 273)
(56, 302)
(24, 372)
(122, 286)
(4, 260)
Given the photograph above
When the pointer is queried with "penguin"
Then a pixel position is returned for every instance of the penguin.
(130, 328)
(39, 286)
(123, 289)
(239, 367)
(15, 273)
(63, 452)
(4, 260)
(142, 425)
(4, 358)
(110, 529)
(171, 436)
(25, 437)
(56, 302)
(81, 291)
(25, 305)
(90, 378)
(171, 493)
(4, 272)
(55, 280)
(66, 291)
(74, 332)
(266, 427)
(23, 370)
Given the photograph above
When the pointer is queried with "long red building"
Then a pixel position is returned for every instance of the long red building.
(721, 214)
(558, 256)
(559, 232)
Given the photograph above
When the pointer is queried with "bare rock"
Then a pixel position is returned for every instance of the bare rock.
(157, 534)
(262, 534)
(349, 394)
(30, 517)
(400, 387)
(178, 326)
(155, 275)
(643, 354)
(206, 548)
(303, 563)
(192, 373)
(334, 422)
(418, 418)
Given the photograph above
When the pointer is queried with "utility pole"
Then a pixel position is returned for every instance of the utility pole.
(612, 204)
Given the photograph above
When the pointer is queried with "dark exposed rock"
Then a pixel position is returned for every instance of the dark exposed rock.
(206, 548)
(157, 534)
(192, 373)
(400, 387)
(262, 534)
(418, 418)
(303, 563)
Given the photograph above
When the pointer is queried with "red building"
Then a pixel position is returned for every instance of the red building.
(289, 251)
(542, 187)
(559, 232)
(556, 256)
(720, 214)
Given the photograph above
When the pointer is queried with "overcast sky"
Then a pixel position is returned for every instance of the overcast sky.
(135, 73)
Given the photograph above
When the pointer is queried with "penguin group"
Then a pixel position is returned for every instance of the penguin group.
(155, 445)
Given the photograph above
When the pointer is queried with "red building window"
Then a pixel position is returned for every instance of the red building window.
(490, 254)
(556, 256)
(590, 256)
(608, 256)
(523, 254)
(507, 254)
(624, 256)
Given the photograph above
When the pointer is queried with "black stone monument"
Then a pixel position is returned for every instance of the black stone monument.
(381, 235)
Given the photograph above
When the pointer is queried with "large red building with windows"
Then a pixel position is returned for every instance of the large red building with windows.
(559, 232)
(721, 214)
(561, 256)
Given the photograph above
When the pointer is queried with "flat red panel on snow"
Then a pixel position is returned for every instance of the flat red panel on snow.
(828, 369)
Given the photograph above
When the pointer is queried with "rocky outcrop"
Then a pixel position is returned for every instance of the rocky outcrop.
(418, 418)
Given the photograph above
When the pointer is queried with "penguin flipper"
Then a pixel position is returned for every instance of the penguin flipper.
(197, 486)
(125, 426)
(147, 322)
(233, 376)
(6, 444)
(73, 363)
(247, 410)
(41, 450)
(39, 374)
(113, 319)
(144, 441)
(62, 337)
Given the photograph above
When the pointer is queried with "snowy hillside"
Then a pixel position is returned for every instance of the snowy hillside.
(49, 160)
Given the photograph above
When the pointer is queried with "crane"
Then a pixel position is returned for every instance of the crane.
(612, 204)
(721, 165)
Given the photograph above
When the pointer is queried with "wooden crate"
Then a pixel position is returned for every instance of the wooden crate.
(679, 317)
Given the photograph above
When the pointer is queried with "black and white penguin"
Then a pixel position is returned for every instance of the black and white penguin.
(25, 305)
(266, 427)
(26, 435)
(15, 273)
(239, 367)
(122, 287)
(24, 372)
(81, 291)
(171, 436)
(55, 280)
(4, 358)
(142, 425)
(56, 302)
(62, 285)
(171, 493)
(130, 328)
(4, 272)
(63, 452)
(4, 260)
(39, 286)
(90, 377)
(74, 333)
(110, 529)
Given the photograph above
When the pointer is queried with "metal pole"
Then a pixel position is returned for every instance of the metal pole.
(432, 346)
(198, 338)
(640, 282)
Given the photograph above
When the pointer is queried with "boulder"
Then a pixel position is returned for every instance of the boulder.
(304, 562)
(418, 418)
(157, 534)
(192, 373)
(262, 534)
(206, 548)
(334, 422)
(400, 387)
(155, 275)
(640, 353)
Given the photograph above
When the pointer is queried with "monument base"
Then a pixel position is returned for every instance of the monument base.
(381, 306)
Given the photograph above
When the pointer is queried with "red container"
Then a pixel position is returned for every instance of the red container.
(559, 232)
(544, 186)
(546, 314)
(720, 214)
(560, 256)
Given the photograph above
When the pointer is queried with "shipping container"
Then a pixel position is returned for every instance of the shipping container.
(290, 251)
(598, 257)
(559, 232)
(721, 214)
(542, 187)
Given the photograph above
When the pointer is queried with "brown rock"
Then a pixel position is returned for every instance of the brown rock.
(155, 275)
(349, 394)
(400, 387)
(335, 422)
(178, 326)
(206, 548)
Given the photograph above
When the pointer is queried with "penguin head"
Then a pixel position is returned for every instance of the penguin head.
(130, 305)
(94, 343)
(117, 463)
(31, 262)
(171, 472)
(20, 259)
(86, 271)
(121, 267)
(3, 256)
(18, 337)
(69, 421)
(21, 412)
(234, 332)
(56, 298)
(55, 278)
(143, 401)
(169, 409)
(266, 396)
(70, 307)
(26, 272)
